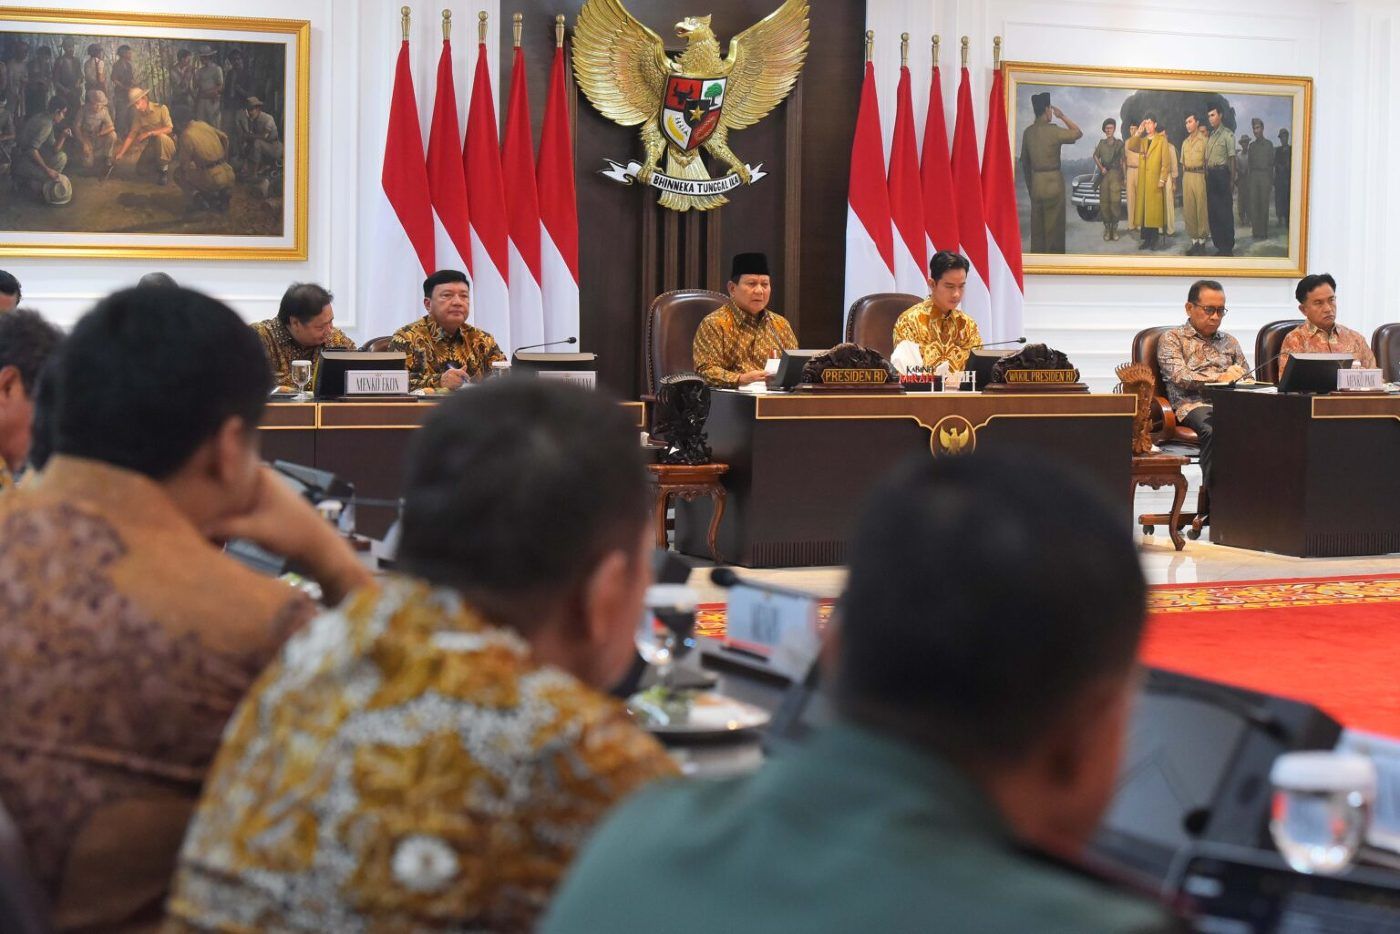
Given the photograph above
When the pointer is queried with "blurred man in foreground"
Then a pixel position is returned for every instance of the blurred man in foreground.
(431, 755)
(26, 343)
(129, 636)
(983, 684)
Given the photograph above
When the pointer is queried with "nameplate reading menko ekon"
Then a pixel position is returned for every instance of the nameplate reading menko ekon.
(376, 382)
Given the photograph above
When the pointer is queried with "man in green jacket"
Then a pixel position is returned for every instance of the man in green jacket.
(983, 680)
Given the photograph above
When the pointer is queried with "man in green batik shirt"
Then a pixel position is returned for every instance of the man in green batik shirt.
(970, 760)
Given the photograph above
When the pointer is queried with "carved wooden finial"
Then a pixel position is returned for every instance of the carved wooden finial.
(937, 41)
(481, 26)
(904, 49)
(996, 53)
(559, 31)
(966, 42)
(405, 13)
(517, 27)
(446, 25)
(869, 45)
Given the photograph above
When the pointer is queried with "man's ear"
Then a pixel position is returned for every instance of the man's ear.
(228, 451)
(11, 385)
(604, 596)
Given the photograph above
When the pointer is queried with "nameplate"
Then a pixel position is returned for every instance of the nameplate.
(375, 382)
(1357, 378)
(1041, 376)
(587, 379)
(853, 377)
(782, 627)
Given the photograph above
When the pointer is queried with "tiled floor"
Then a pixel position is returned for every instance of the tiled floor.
(1199, 562)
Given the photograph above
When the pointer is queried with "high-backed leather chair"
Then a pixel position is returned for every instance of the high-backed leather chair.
(1164, 426)
(672, 321)
(1385, 344)
(377, 345)
(870, 322)
(1165, 429)
(1267, 345)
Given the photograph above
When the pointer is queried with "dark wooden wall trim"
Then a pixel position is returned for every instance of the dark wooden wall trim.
(631, 249)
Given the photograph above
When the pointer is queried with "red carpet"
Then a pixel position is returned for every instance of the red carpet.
(1334, 642)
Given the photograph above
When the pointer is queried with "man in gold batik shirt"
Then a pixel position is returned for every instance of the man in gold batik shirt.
(1317, 300)
(444, 352)
(431, 755)
(303, 328)
(736, 340)
(944, 332)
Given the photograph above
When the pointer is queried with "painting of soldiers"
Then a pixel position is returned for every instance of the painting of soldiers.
(18, 68)
(146, 148)
(1181, 157)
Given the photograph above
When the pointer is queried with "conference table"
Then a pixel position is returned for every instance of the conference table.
(800, 464)
(365, 443)
(1306, 475)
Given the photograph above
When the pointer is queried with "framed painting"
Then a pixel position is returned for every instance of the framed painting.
(153, 135)
(1129, 172)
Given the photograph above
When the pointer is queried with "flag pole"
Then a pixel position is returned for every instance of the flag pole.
(870, 45)
(405, 13)
(446, 25)
(996, 53)
(904, 50)
(481, 26)
(559, 31)
(518, 27)
(937, 41)
(965, 43)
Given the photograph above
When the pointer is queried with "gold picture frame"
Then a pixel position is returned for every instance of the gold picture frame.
(1090, 95)
(158, 201)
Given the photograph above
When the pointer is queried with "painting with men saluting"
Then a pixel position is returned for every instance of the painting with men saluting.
(1121, 171)
(151, 136)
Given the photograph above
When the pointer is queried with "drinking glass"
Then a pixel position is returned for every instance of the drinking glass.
(1321, 808)
(301, 377)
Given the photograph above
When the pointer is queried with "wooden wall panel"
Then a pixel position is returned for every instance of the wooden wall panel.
(631, 249)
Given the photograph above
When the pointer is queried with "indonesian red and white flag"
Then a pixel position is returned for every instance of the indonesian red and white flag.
(490, 229)
(558, 210)
(972, 227)
(906, 196)
(523, 211)
(403, 216)
(940, 201)
(869, 227)
(446, 179)
(1003, 227)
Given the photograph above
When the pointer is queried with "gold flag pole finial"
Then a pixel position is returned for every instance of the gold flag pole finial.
(481, 26)
(996, 53)
(937, 41)
(965, 43)
(904, 49)
(405, 13)
(446, 25)
(519, 27)
(559, 31)
(869, 45)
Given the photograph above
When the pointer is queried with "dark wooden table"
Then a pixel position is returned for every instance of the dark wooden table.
(800, 465)
(1312, 476)
(364, 442)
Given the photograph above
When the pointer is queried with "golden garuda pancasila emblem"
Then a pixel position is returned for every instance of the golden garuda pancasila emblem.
(689, 102)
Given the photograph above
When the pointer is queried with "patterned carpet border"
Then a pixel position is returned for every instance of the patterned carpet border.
(1186, 598)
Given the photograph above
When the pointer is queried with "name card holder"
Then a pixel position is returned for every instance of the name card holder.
(376, 382)
(1356, 379)
(780, 627)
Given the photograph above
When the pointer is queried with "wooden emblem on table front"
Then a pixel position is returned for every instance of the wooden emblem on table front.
(953, 436)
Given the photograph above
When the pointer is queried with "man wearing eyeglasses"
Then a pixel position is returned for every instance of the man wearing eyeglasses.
(1195, 354)
(1317, 300)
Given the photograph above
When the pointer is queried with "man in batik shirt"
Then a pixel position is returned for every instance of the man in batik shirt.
(1197, 353)
(303, 328)
(444, 352)
(431, 755)
(1317, 300)
(735, 341)
(944, 333)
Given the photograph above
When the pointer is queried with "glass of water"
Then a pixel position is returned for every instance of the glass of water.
(301, 378)
(1321, 808)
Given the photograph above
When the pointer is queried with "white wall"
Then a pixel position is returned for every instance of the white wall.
(353, 48)
(1351, 48)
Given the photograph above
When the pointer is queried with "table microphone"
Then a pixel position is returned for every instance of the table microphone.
(723, 577)
(1255, 370)
(1018, 340)
(567, 340)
